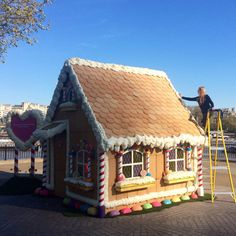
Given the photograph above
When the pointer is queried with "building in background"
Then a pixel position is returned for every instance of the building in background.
(24, 106)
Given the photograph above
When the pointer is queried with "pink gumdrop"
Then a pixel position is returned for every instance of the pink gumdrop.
(44, 192)
(121, 177)
(37, 191)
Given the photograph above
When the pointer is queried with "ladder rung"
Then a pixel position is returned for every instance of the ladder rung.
(217, 148)
(219, 167)
(223, 193)
(215, 132)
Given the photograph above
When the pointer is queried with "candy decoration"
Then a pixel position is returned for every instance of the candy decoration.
(84, 208)
(71, 164)
(119, 166)
(200, 189)
(16, 169)
(37, 191)
(167, 156)
(92, 211)
(167, 202)
(114, 213)
(32, 166)
(125, 211)
(66, 201)
(44, 180)
(89, 167)
(156, 204)
(185, 198)
(101, 210)
(44, 193)
(147, 206)
(77, 205)
(189, 152)
(194, 196)
(176, 199)
(136, 208)
(143, 173)
(147, 155)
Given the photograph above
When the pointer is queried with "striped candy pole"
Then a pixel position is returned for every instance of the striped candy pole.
(16, 168)
(89, 167)
(32, 166)
(71, 163)
(119, 166)
(101, 207)
(189, 152)
(44, 163)
(200, 175)
(147, 155)
(167, 157)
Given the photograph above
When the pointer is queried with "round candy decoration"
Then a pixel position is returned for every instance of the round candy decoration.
(143, 173)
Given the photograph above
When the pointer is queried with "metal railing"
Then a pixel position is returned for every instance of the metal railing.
(7, 152)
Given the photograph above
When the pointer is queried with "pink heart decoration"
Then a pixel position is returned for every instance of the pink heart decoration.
(23, 129)
(20, 127)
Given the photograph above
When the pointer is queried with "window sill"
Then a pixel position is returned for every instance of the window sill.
(134, 184)
(179, 177)
(81, 183)
(68, 106)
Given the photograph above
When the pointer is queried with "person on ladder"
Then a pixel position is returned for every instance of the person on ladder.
(204, 101)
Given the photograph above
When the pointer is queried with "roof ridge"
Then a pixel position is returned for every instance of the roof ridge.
(116, 67)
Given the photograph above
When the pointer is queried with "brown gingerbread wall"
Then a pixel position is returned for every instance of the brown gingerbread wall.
(78, 129)
(156, 170)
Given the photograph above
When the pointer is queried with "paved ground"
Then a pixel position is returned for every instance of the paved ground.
(30, 215)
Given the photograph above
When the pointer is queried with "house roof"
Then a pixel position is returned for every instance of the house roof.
(127, 105)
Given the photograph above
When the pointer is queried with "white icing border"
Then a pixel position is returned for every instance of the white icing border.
(179, 175)
(150, 196)
(137, 181)
(37, 114)
(114, 143)
(45, 134)
(116, 67)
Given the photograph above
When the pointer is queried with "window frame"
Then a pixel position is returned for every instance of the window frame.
(132, 164)
(82, 163)
(176, 159)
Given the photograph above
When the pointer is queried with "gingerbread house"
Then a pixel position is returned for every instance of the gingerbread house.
(117, 135)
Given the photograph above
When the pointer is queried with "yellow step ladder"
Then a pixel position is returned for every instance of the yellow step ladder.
(219, 134)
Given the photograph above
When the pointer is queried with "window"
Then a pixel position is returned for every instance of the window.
(132, 164)
(82, 163)
(177, 159)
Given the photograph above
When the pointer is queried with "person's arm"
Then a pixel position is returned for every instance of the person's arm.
(194, 99)
(210, 101)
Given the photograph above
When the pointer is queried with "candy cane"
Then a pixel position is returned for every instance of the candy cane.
(16, 169)
(101, 211)
(89, 167)
(200, 175)
(32, 166)
(71, 164)
(44, 163)
(189, 151)
(147, 155)
(119, 165)
(167, 156)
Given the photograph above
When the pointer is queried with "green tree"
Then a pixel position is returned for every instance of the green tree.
(19, 20)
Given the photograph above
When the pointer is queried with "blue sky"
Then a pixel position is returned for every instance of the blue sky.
(194, 41)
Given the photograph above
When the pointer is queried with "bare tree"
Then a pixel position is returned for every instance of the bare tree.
(19, 20)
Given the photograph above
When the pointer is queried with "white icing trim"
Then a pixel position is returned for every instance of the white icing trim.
(67, 105)
(179, 175)
(136, 181)
(37, 114)
(78, 197)
(48, 133)
(150, 196)
(164, 142)
(114, 143)
(79, 181)
(116, 67)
